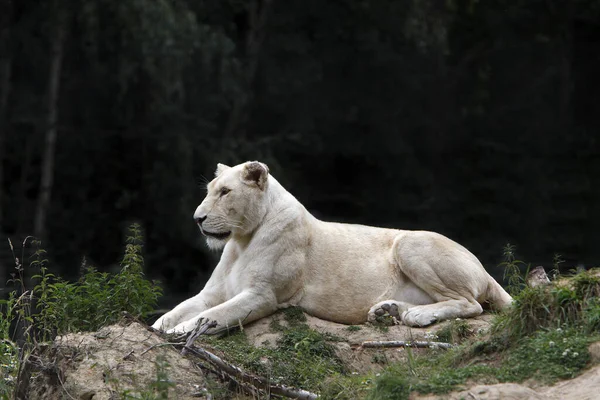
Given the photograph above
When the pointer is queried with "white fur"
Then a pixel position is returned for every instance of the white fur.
(277, 255)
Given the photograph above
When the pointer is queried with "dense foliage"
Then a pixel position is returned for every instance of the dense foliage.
(476, 119)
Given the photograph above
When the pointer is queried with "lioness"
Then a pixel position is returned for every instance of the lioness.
(276, 254)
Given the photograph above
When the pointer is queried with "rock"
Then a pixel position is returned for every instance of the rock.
(594, 350)
(537, 277)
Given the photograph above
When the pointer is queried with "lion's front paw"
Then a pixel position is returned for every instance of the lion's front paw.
(418, 316)
(166, 322)
(188, 326)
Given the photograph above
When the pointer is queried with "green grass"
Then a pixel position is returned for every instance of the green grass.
(547, 357)
(303, 357)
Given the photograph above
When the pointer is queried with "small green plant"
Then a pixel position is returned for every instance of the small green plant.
(379, 358)
(158, 388)
(162, 383)
(353, 328)
(512, 269)
(557, 261)
(390, 386)
(383, 322)
(294, 316)
(454, 331)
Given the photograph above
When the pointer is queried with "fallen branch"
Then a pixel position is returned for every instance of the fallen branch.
(257, 382)
(401, 343)
(200, 329)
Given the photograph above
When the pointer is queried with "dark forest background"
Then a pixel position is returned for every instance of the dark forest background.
(476, 119)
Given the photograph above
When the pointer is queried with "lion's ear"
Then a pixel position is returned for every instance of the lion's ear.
(255, 173)
(220, 169)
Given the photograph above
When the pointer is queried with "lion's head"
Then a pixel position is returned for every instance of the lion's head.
(235, 202)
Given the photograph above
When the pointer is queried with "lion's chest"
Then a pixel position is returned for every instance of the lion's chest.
(261, 271)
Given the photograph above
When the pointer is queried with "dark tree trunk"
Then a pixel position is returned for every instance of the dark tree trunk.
(5, 85)
(47, 172)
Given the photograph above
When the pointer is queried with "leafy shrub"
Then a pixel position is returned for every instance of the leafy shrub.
(98, 298)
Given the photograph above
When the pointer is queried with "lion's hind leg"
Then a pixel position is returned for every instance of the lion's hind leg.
(424, 315)
(391, 308)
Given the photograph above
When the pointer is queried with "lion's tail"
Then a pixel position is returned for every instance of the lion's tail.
(496, 296)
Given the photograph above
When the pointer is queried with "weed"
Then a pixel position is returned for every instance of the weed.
(294, 316)
(353, 328)
(512, 269)
(390, 386)
(158, 388)
(383, 322)
(557, 261)
(379, 358)
(454, 331)
(162, 383)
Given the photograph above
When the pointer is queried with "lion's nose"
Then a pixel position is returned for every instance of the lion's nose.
(199, 220)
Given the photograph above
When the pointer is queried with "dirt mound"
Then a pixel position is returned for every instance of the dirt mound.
(118, 360)
(128, 359)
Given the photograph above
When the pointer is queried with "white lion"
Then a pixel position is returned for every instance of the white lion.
(276, 254)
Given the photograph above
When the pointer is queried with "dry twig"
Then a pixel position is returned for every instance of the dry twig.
(200, 329)
(161, 345)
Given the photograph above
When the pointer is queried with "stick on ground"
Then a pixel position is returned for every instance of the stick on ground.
(401, 343)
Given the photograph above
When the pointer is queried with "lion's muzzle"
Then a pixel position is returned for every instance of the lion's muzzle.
(216, 235)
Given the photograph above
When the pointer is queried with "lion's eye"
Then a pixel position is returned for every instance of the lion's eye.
(224, 191)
